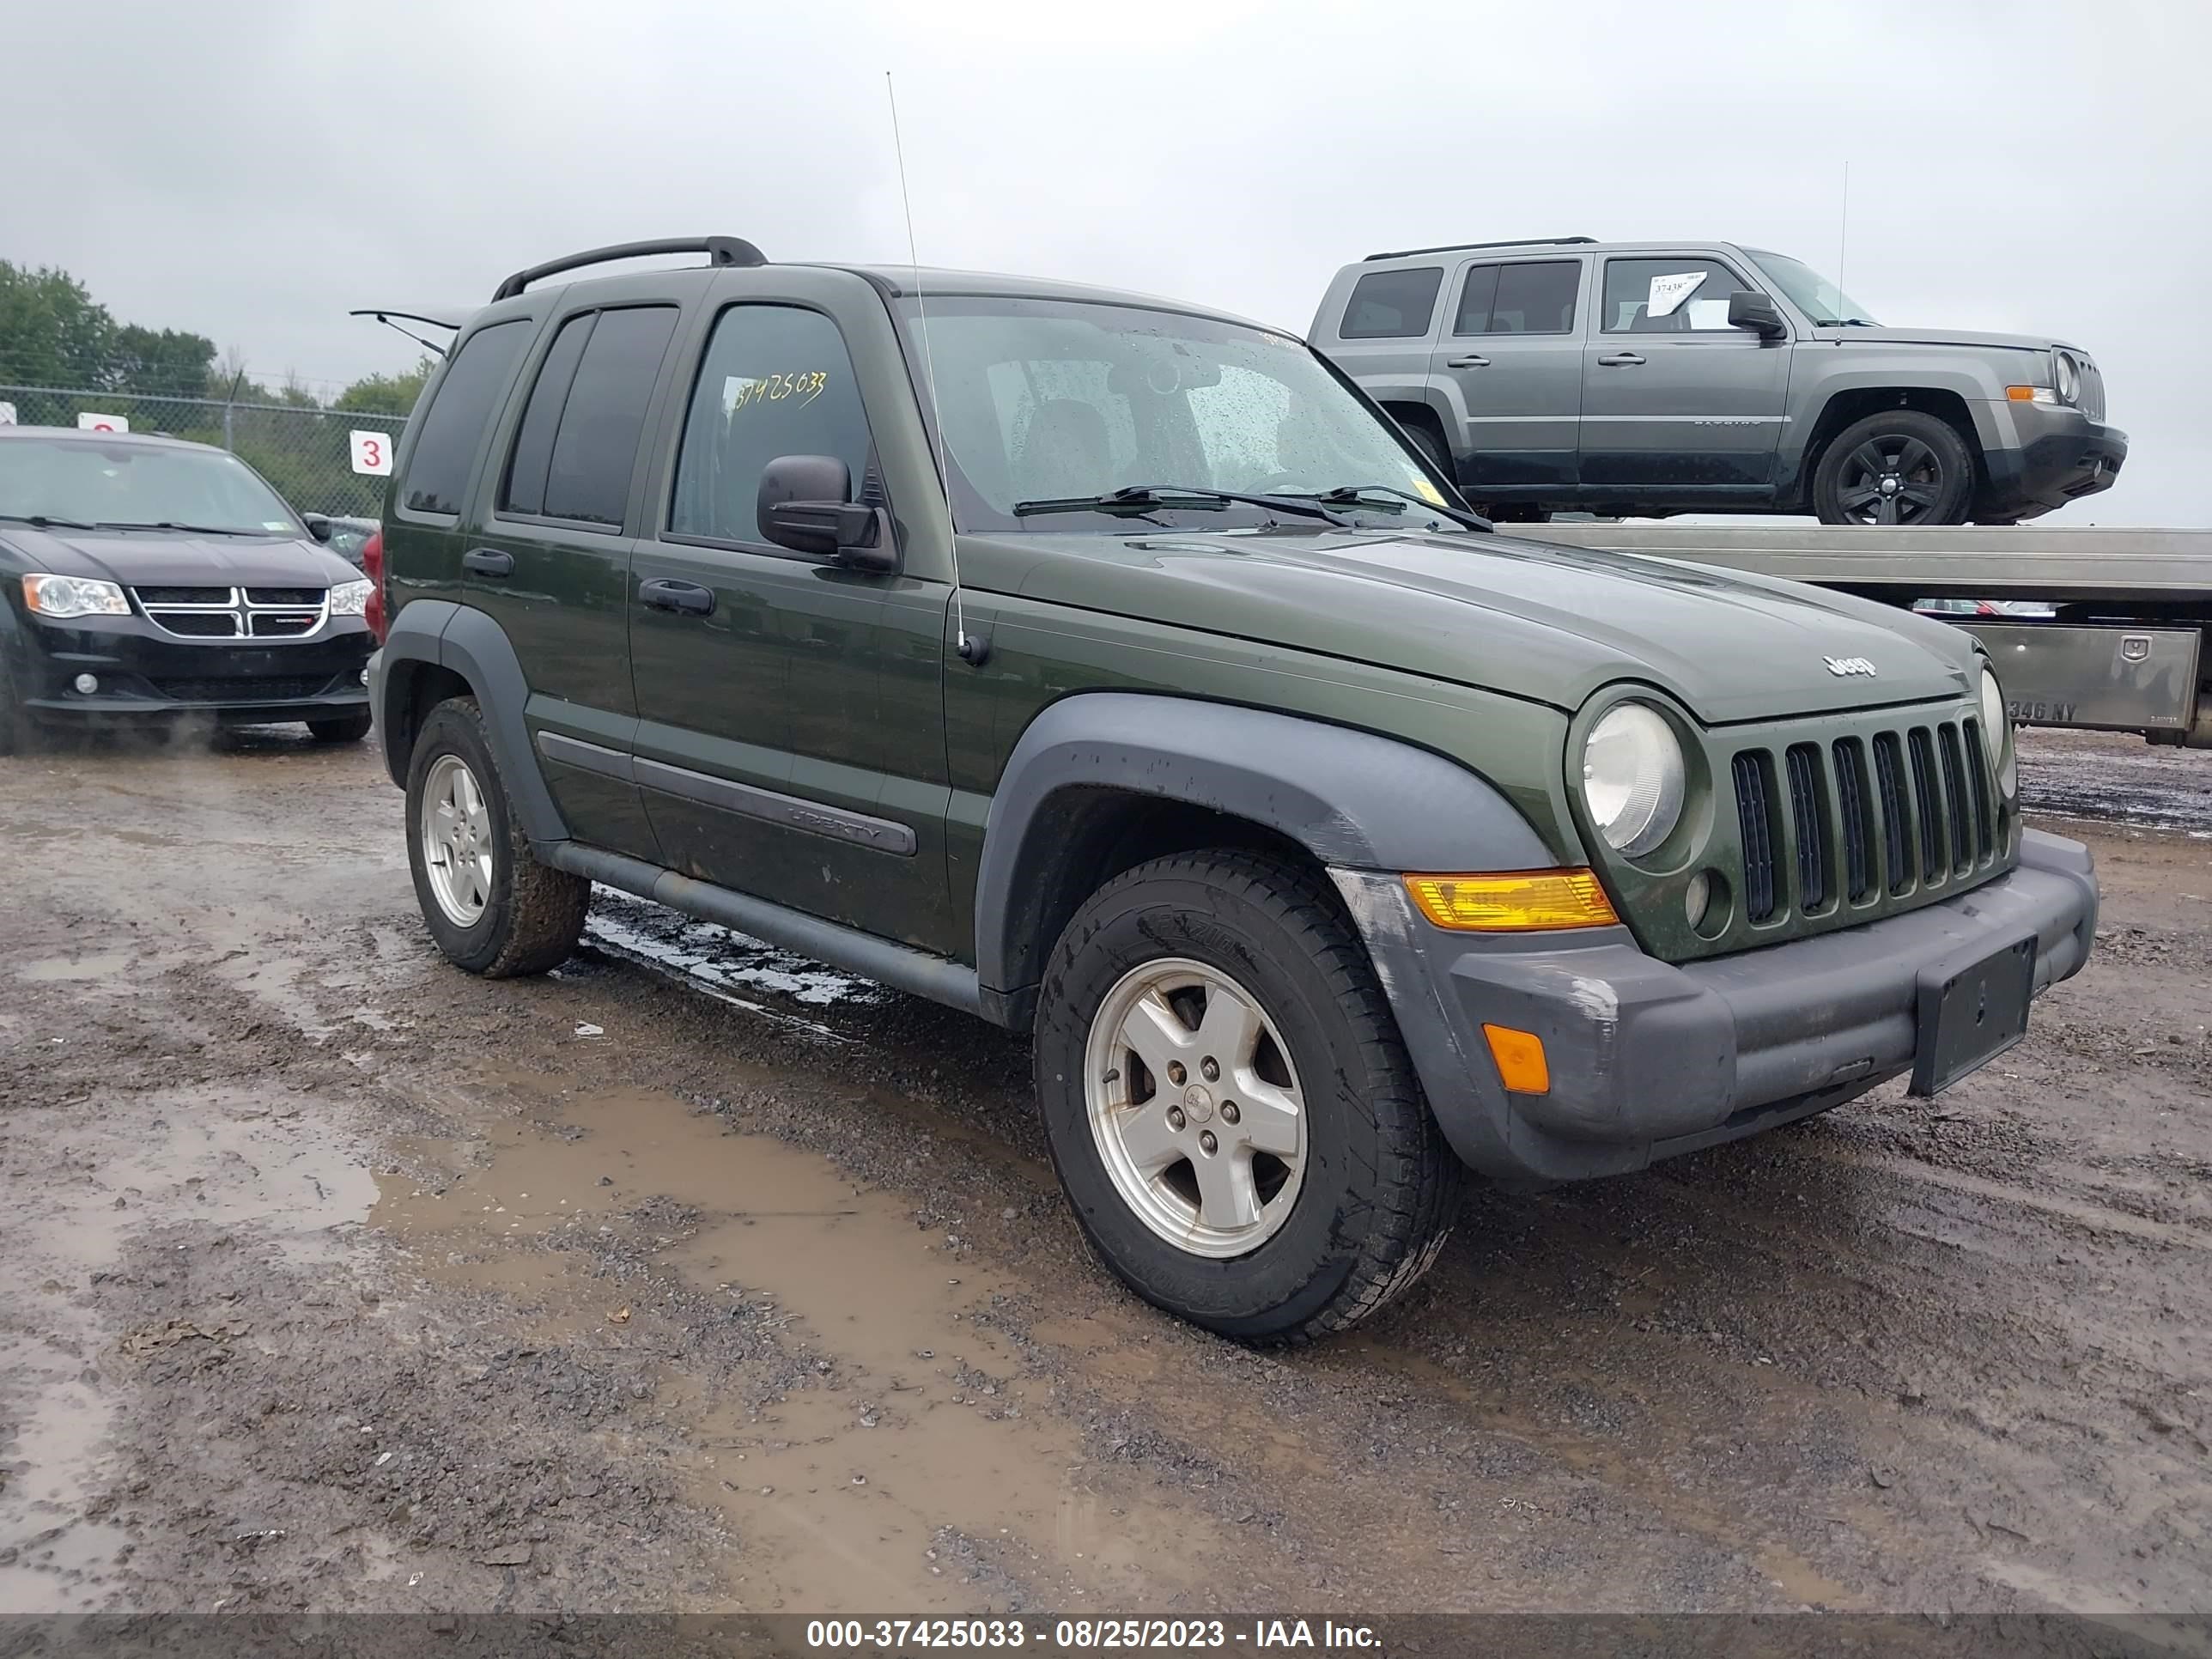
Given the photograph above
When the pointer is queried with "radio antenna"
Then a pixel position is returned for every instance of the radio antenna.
(971, 651)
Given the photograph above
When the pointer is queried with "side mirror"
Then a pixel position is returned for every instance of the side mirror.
(807, 505)
(1756, 312)
(319, 527)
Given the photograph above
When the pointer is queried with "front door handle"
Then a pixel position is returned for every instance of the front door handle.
(687, 599)
(1620, 359)
(1468, 361)
(488, 561)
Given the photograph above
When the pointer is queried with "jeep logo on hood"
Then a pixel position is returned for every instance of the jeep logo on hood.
(1842, 667)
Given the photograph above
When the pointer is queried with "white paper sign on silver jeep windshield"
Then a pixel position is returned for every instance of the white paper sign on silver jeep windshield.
(1669, 291)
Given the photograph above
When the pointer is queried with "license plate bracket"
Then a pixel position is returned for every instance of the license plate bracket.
(1971, 1014)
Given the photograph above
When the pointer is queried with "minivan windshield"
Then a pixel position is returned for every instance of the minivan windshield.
(1047, 404)
(103, 483)
(1823, 303)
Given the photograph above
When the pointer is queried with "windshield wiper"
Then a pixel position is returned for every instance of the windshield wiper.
(1355, 494)
(1147, 498)
(171, 523)
(46, 521)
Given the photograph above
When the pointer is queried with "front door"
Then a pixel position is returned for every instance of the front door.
(1509, 365)
(550, 563)
(791, 741)
(1674, 401)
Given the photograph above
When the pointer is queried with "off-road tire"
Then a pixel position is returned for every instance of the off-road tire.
(534, 915)
(1381, 1187)
(1954, 463)
(342, 728)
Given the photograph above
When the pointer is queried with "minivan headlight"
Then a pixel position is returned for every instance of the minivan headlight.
(73, 596)
(1633, 778)
(350, 599)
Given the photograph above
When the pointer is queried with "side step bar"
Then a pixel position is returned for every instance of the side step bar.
(899, 966)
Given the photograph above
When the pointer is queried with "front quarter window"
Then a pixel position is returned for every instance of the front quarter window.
(1059, 400)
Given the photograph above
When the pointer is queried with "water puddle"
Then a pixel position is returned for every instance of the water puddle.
(898, 1417)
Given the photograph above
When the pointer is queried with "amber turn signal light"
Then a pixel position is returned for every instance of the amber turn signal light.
(1520, 1056)
(1513, 901)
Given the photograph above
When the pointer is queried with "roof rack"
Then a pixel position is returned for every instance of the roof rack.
(1459, 247)
(719, 250)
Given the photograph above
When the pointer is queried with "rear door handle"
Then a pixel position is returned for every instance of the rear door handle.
(1620, 359)
(488, 561)
(1469, 361)
(687, 598)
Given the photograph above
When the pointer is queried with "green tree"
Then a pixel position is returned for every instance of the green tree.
(385, 394)
(52, 333)
(167, 364)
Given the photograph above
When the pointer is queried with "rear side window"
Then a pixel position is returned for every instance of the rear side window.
(776, 380)
(1532, 298)
(446, 448)
(533, 446)
(1392, 305)
(596, 445)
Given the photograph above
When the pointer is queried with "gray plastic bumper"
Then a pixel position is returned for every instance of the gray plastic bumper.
(1648, 1059)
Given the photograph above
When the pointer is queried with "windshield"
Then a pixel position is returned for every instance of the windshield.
(86, 481)
(1825, 304)
(1053, 401)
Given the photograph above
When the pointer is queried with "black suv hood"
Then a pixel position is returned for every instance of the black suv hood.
(171, 558)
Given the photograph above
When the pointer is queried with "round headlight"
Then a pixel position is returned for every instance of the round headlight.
(1633, 778)
(2068, 377)
(1996, 729)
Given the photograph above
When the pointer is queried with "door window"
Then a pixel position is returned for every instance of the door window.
(1392, 305)
(776, 380)
(1536, 297)
(446, 448)
(525, 490)
(1667, 296)
(603, 416)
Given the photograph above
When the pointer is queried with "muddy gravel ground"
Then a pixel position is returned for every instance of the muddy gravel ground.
(697, 1278)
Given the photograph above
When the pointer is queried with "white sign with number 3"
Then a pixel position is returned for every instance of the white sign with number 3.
(90, 422)
(372, 452)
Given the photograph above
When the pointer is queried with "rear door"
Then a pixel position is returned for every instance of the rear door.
(791, 741)
(1674, 399)
(551, 561)
(1509, 364)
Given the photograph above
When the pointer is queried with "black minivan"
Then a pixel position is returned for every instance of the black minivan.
(147, 579)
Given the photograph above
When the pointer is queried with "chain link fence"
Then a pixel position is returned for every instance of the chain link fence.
(307, 452)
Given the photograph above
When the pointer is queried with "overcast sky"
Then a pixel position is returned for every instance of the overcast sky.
(250, 171)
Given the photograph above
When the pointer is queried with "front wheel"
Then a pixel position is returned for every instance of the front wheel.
(489, 903)
(1899, 467)
(1229, 1106)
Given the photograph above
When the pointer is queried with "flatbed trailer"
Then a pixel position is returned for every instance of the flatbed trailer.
(2129, 649)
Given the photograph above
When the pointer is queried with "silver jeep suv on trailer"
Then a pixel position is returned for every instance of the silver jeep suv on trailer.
(1648, 379)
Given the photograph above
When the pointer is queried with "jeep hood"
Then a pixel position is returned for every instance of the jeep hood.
(1936, 336)
(150, 557)
(1542, 622)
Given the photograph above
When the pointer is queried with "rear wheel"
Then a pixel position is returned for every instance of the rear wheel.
(1229, 1104)
(1899, 467)
(492, 908)
(344, 728)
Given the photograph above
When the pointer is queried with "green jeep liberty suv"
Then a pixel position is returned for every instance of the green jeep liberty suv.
(1113, 670)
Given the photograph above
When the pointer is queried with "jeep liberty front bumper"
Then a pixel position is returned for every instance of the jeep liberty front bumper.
(1648, 1060)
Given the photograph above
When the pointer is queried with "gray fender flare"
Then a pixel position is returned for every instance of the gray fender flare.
(1349, 797)
(464, 639)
